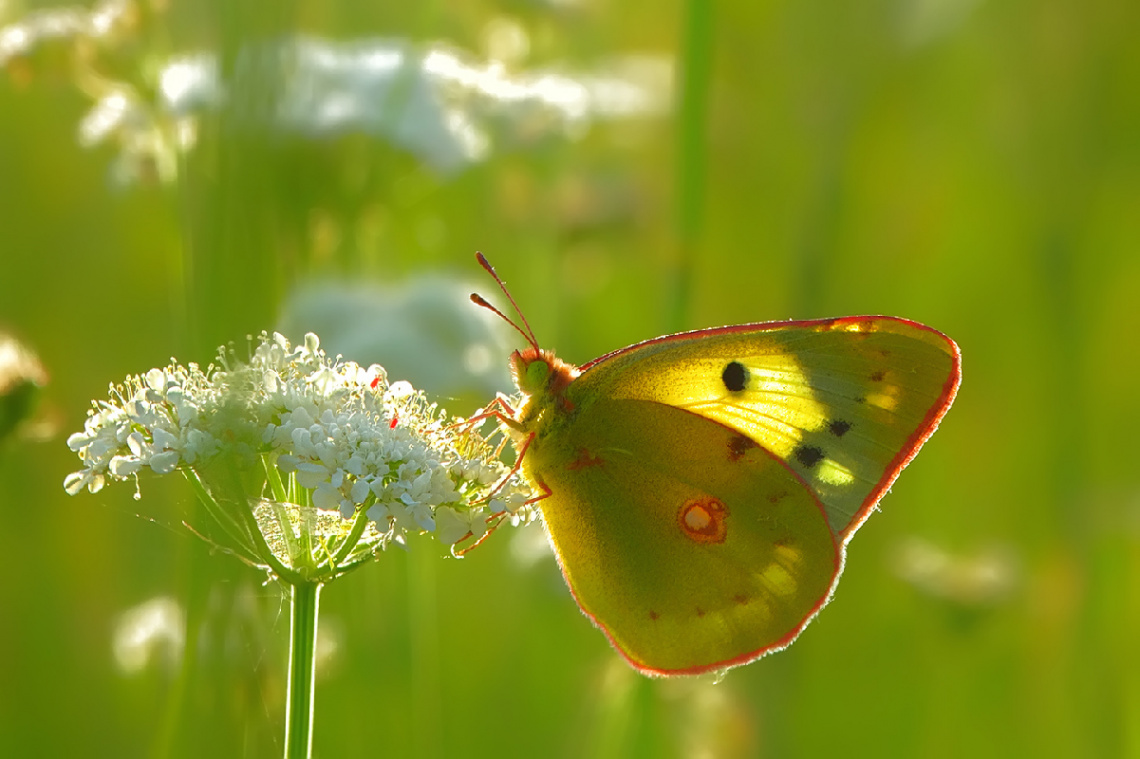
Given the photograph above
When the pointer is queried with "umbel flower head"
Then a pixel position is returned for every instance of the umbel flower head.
(309, 464)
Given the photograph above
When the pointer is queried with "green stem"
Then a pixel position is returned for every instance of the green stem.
(233, 527)
(302, 669)
(359, 523)
(696, 62)
(243, 529)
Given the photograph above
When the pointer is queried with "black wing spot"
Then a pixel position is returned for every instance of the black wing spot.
(876, 376)
(808, 455)
(838, 427)
(735, 376)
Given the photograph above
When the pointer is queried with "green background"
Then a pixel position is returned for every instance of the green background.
(971, 165)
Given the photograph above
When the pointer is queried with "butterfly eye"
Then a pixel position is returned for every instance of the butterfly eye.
(734, 377)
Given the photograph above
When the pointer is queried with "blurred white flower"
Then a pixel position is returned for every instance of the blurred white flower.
(984, 578)
(22, 378)
(424, 329)
(153, 630)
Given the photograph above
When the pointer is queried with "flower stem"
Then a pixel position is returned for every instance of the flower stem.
(302, 668)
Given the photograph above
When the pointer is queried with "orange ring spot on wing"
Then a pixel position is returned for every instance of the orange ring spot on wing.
(703, 520)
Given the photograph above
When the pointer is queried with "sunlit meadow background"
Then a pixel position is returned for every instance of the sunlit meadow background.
(972, 165)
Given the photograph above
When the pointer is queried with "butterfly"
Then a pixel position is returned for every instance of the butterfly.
(699, 489)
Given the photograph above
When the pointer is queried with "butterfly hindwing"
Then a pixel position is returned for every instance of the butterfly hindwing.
(690, 545)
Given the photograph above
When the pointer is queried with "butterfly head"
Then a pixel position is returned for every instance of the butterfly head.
(538, 372)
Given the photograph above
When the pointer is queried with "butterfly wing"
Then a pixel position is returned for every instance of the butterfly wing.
(690, 545)
(844, 403)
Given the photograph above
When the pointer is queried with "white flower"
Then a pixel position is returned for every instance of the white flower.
(453, 526)
(325, 433)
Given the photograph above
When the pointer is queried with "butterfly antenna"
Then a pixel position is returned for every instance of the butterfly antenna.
(527, 333)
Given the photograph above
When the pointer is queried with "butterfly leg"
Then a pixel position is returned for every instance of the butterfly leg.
(496, 520)
(500, 409)
(513, 471)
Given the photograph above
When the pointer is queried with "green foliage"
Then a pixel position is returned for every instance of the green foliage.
(968, 165)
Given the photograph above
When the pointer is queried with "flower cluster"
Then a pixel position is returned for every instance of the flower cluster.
(335, 447)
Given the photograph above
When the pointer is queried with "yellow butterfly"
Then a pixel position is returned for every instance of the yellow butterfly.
(699, 489)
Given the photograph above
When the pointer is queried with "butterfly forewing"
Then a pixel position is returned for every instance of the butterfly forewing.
(845, 403)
